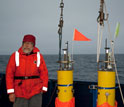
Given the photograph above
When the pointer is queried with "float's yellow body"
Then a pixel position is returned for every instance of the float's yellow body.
(65, 85)
(106, 79)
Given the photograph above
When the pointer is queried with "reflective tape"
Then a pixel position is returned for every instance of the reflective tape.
(10, 91)
(45, 88)
(17, 58)
(38, 59)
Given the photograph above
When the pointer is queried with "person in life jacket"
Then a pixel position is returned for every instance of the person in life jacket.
(26, 75)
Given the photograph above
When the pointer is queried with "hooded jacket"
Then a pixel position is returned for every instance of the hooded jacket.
(26, 88)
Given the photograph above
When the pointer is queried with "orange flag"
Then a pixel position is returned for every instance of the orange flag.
(79, 37)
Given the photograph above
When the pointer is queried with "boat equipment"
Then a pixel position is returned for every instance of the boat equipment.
(107, 71)
(65, 82)
(106, 82)
(65, 91)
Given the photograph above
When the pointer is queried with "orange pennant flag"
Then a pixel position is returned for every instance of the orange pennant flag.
(79, 37)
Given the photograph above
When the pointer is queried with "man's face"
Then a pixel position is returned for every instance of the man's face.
(27, 47)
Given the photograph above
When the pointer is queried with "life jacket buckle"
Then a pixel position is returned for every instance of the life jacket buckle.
(26, 77)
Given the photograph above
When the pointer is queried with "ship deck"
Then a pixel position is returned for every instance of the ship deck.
(82, 93)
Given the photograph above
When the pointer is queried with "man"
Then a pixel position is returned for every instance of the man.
(26, 75)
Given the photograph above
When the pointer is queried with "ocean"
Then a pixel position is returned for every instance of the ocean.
(85, 66)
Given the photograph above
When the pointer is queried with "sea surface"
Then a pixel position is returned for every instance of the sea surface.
(85, 66)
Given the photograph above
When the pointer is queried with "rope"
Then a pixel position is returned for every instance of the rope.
(118, 81)
(60, 30)
(60, 46)
(99, 42)
(51, 96)
(113, 56)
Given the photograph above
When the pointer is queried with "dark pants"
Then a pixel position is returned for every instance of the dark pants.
(35, 101)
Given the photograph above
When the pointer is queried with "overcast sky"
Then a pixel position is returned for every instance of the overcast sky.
(41, 18)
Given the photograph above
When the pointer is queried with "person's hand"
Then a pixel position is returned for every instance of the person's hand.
(12, 97)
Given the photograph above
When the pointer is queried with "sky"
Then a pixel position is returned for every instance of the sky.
(41, 18)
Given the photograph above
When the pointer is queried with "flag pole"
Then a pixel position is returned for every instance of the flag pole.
(73, 44)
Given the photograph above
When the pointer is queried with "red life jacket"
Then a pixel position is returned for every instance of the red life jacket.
(26, 75)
